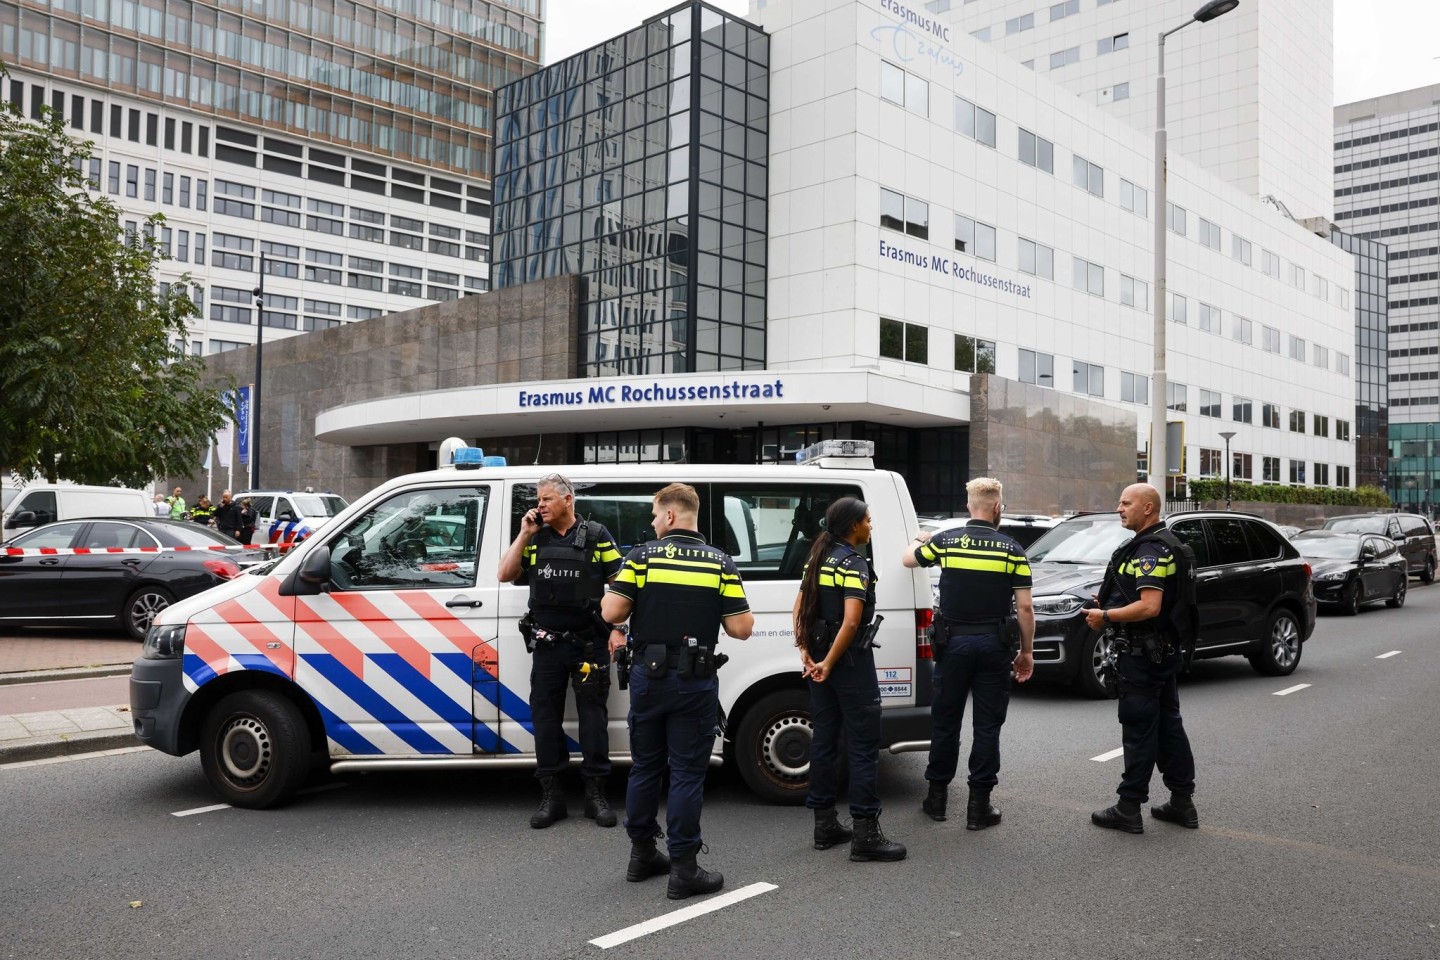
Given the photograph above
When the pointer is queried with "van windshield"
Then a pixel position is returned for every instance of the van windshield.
(1356, 525)
(1083, 540)
(8, 494)
(315, 506)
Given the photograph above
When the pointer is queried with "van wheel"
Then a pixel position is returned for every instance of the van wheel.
(1087, 675)
(772, 747)
(1428, 574)
(254, 749)
(140, 610)
(1279, 654)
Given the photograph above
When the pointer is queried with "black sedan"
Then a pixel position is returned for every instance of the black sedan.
(1352, 569)
(105, 589)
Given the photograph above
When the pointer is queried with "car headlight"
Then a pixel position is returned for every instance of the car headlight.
(164, 643)
(1333, 575)
(1059, 605)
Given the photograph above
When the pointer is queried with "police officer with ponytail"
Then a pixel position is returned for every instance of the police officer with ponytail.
(835, 627)
(566, 563)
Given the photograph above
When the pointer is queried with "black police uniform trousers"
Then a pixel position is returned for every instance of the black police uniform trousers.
(1152, 732)
(551, 668)
(848, 701)
(975, 665)
(673, 722)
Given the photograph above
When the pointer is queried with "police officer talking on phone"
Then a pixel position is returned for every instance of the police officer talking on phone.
(566, 563)
(679, 593)
(981, 572)
(1142, 607)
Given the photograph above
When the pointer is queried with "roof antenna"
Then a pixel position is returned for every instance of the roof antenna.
(539, 442)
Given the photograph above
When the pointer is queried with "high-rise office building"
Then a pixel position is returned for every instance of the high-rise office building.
(1387, 167)
(345, 145)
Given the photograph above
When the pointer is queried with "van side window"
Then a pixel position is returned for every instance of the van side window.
(768, 529)
(1413, 526)
(1192, 532)
(41, 503)
(417, 540)
(261, 506)
(623, 508)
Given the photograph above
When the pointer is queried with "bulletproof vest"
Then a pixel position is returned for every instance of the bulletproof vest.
(681, 596)
(1179, 614)
(832, 599)
(562, 577)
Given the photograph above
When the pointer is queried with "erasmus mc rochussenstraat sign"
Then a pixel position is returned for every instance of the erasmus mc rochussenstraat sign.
(605, 395)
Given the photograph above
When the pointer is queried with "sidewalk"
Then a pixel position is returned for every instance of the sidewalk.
(58, 655)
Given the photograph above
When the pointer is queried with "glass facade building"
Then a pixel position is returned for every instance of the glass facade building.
(405, 79)
(640, 165)
(1372, 367)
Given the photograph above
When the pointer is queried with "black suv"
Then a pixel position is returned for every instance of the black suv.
(1253, 588)
(1413, 534)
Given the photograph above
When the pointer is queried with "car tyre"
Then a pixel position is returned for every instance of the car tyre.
(1350, 602)
(772, 747)
(1428, 574)
(1398, 600)
(254, 749)
(1281, 645)
(141, 607)
(1087, 676)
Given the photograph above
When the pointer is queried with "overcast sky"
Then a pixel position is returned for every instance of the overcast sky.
(1381, 46)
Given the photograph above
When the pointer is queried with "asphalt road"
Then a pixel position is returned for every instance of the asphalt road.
(1319, 839)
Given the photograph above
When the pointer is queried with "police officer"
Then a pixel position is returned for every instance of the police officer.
(678, 592)
(833, 615)
(981, 570)
(1137, 603)
(204, 512)
(566, 563)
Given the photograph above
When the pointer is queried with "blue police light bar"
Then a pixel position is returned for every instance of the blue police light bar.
(494, 461)
(471, 458)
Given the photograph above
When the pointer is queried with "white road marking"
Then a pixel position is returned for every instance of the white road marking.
(1290, 690)
(1386, 656)
(680, 916)
(210, 809)
(1109, 755)
(46, 761)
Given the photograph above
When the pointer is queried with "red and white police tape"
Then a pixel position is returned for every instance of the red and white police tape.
(86, 551)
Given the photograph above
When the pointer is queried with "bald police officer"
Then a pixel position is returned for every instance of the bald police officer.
(679, 592)
(1143, 606)
(981, 572)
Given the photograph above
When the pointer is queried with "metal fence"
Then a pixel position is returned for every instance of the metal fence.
(1182, 506)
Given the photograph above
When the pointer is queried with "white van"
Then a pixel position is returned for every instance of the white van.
(386, 639)
(47, 502)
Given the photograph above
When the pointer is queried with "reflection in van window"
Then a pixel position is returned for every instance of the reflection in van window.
(419, 539)
(623, 509)
(769, 528)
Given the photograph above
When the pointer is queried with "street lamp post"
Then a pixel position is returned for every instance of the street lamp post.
(1227, 434)
(1159, 400)
(259, 368)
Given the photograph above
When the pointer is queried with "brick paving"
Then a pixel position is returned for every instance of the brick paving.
(55, 734)
(22, 651)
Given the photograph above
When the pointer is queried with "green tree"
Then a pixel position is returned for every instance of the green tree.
(90, 388)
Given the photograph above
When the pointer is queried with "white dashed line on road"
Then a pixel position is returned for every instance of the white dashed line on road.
(1387, 656)
(1110, 755)
(210, 809)
(1289, 690)
(680, 916)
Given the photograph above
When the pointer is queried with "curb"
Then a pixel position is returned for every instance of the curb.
(42, 749)
(67, 673)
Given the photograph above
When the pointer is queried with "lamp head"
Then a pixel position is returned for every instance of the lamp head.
(1215, 8)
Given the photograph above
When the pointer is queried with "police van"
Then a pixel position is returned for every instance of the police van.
(385, 640)
(287, 516)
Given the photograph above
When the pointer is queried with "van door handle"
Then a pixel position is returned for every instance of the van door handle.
(461, 602)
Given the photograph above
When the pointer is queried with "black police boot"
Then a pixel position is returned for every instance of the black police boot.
(597, 808)
(829, 831)
(979, 812)
(688, 878)
(934, 802)
(552, 804)
(645, 861)
(1125, 815)
(870, 842)
(1180, 809)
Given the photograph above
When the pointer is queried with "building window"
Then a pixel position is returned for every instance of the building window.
(185, 192)
(1241, 410)
(974, 237)
(1121, 41)
(1211, 462)
(974, 122)
(1270, 415)
(1061, 58)
(1122, 91)
(1037, 368)
(114, 178)
(905, 214)
(1342, 364)
(1060, 11)
(1269, 264)
(1018, 24)
(1241, 329)
(149, 185)
(167, 189)
(1342, 475)
(1210, 404)
(132, 181)
(1242, 466)
(1037, 151)
(1134, 387)
(1175, 218)
(1320, 356)
(1297, 348)
(1240, 249)
(182, 246)
(1297, 421)
(1297, 276)
(1177, 308)
(1134, 293)
(1342, 429)
(1089, 378)
(1176, 396)
(1322, 289)
(1209, 319)
(1209, 234)
(1037, 259)
(1269, 339)
(1270, 469)
(202, 192)
(1297, 471)
(973, 355)
(1135, 199)
(904, 341)
(1321, 425)
(1088, 176)
(905, 89)
(1089, 277)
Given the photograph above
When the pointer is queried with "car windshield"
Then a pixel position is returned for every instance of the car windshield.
(189, 535)
(1326, 548)
(1356, 524)
(316, 505)
(1082, 540)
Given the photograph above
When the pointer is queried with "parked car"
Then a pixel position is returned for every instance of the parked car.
(1412, 533)
(109, 589)
(1025, 528)
(1253, 588)
(1353, 569)
(289, 516)
(42, 503)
